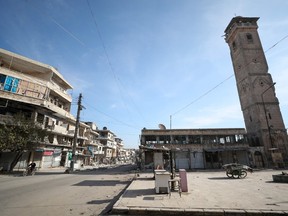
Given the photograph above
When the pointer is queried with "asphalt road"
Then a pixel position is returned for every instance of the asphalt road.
(90, 192)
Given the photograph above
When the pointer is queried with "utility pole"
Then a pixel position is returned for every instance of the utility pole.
(76, 133)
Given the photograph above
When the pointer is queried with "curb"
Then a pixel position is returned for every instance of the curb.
(193, 212)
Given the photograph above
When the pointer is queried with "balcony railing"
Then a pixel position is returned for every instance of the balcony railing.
(99, 152)
(58, 110)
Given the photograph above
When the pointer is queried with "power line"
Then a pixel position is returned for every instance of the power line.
(201, 96)
(111, 117)
(101, 40)
(117, 80)
(210, 90)
(276, 43)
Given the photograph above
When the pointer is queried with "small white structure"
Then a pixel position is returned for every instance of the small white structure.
(161, 181)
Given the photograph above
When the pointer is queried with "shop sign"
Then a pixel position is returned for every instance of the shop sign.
(48, 153)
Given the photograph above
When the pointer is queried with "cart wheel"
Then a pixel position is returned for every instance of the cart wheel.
(235, 174)
(243, 174)
(229, 174)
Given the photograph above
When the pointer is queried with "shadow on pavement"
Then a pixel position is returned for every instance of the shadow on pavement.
(103, 182)
(221, 178)
(119, 169)
(100, 201)
(139, 192)
(269, 182)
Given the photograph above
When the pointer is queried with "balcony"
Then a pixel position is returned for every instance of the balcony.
(60, 129)
(58, 111)
(59, 91)
(99, 152)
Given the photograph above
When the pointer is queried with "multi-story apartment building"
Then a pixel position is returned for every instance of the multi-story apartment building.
(94, 147)
(120, 146)
(39, 91)
(108, 139)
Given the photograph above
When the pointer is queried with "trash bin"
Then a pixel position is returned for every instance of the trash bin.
(183, 180)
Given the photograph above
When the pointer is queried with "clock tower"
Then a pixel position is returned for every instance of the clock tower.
(265, 128)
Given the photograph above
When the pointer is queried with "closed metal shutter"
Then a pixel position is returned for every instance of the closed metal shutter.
(47, 161)
(197, 160)
(56, 158)
(182, 160)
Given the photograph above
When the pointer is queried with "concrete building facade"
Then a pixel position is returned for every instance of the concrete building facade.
(108, 139)
(197, 148)
(40, 92)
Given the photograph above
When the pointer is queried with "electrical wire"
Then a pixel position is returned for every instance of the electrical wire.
(277, 43)
(213, 88)
(111, 117)
(203, 95)
(117, 80)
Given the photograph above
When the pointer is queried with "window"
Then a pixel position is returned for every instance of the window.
(10, 83)
(249, 38)
(234, 46)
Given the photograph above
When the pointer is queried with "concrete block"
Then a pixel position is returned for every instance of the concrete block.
(236, 212)
(270, 213)
(194, 212)
(253, 212)
(120, 210)
(214, 212)
(138, 211)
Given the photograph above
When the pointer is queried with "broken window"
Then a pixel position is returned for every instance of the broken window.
(249, 38)
(234, 47)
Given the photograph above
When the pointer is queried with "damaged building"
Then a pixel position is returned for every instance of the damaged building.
(198, 148)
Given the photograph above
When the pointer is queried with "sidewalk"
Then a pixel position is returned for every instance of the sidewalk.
(209, 193)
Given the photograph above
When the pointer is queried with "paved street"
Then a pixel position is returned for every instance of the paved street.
(90, 192)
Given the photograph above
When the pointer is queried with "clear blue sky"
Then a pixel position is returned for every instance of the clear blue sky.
(138, 62)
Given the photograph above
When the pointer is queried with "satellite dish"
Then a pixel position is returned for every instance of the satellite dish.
(162, 127)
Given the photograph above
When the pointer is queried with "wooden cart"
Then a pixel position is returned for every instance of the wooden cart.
(234, 170)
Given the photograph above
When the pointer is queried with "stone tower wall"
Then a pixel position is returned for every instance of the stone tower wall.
(256, 90)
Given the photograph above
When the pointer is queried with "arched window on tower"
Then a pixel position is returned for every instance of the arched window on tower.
(234, 46)
(249, 38)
